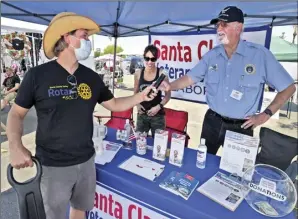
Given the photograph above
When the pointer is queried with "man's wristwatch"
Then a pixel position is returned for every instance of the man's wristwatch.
(161, 106)
(268, 112)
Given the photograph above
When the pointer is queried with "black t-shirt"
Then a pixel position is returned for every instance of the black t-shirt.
(65, 121)
(143, 84)
(10, 82)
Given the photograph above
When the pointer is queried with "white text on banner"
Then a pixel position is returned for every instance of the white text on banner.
(109, 205)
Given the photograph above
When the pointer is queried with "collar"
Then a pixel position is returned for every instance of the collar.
(240, 49)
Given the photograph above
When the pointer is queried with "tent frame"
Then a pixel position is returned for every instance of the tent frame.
(116, 25)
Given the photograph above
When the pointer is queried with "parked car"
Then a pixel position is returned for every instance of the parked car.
(136, 63)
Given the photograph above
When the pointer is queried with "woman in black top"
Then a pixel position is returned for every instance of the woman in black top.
(151, 115)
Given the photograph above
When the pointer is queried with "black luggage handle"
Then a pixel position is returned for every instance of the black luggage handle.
(29, 194)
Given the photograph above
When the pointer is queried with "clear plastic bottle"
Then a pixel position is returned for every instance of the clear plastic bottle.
(201, 154)
(118, 134)
(127, 129)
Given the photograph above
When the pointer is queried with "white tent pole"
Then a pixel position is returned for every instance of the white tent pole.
(114, 64)
(33, 45)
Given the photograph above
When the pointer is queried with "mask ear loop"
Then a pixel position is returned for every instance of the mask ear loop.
(77, 39)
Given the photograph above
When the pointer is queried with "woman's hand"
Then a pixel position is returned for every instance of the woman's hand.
(141, 109)
(154, 110)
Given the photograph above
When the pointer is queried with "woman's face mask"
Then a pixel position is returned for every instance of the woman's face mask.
(84, 50)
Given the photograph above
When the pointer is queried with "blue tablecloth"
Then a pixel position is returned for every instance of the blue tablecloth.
(196, 207)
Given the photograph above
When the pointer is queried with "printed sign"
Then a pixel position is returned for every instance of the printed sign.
(179, 53)
(110, 205)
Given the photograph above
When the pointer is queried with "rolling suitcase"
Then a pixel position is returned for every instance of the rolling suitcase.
(29, 194)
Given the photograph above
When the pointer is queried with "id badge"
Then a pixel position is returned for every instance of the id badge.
(237, 95)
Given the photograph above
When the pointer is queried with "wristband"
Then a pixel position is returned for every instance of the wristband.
(268, 112)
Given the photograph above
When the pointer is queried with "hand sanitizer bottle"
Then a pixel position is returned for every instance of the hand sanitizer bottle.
(127, 129)
(201, 154)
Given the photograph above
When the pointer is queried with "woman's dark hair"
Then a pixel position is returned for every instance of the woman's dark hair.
(153, 49)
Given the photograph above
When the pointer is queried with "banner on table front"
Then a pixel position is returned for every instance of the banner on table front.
(180, 52)
(110, 205)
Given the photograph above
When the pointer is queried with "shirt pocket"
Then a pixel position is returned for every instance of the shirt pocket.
(250, 82)
(250, 86)
(212, 83)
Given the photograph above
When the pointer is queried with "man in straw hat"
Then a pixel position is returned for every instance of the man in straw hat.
(64, 94)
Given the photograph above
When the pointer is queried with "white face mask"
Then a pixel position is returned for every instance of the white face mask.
(84, 51)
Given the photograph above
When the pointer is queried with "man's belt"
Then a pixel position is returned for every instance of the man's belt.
(227, 119)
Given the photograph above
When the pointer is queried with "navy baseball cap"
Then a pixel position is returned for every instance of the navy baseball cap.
(229, 14)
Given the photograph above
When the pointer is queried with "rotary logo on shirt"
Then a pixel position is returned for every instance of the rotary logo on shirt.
(83, 91)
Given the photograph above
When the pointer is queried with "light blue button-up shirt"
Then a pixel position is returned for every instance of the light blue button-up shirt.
(249, 68)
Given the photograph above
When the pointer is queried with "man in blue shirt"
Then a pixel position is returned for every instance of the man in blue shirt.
(235, 73)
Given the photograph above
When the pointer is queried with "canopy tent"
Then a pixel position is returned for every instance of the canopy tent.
(284, 51)
(139, 18)
(122, 19)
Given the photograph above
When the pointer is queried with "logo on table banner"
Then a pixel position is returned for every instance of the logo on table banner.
(109, 205)
(267, 192)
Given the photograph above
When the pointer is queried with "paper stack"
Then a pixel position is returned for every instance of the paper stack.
(110, 150)
(142, 167)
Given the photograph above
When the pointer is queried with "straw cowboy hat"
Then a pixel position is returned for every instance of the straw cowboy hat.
(63, 23)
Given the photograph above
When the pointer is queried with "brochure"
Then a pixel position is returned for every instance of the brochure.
(167, 183)
(180, 183)
(142, 167)
(239, 153)
(160, 144)
(177, 149)
(223, 190)
(110, 151)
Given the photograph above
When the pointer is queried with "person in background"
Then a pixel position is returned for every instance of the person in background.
(64, 94)
(151, 114)
(235, 73)
(9, 87)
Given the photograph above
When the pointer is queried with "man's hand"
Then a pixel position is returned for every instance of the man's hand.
(154, 110)
(165, 86)
(20, 157)
(141, 109)
(255, 120)
(144, 93)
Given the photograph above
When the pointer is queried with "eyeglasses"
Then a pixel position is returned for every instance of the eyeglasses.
(153, 59)
(223, 24)
(72, 80)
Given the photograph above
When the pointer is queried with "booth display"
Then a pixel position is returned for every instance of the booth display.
(140, 186)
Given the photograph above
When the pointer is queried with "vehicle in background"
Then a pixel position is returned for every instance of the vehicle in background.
(135, 63)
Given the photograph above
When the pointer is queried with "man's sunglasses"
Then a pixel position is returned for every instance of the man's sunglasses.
(71, 79)
(153, 59)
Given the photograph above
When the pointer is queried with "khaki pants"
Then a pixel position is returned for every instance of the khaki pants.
(9, 97)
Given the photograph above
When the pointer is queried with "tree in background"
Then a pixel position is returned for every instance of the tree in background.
(97, 52)
(295, 33)
(110, 49)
